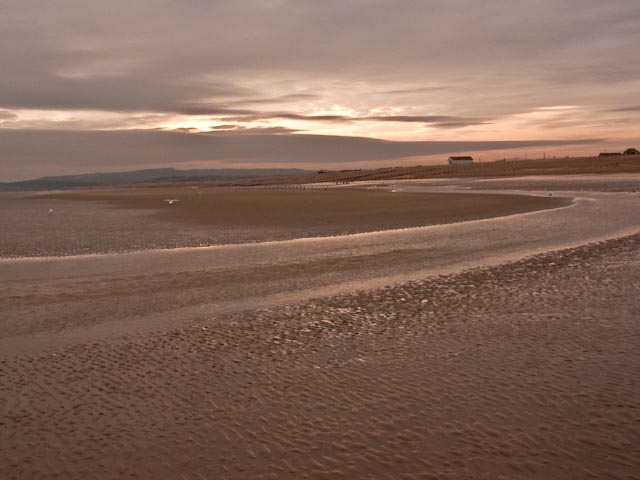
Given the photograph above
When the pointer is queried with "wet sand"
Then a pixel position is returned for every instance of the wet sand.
(312, 359)
(119, 220)
(528, 370)
(291, 210)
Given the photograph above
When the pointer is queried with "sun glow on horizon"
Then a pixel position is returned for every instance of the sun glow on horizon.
(548, 122)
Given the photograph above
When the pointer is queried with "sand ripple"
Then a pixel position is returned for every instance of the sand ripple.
(528, 370)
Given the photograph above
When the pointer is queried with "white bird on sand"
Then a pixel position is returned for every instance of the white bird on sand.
(51, 211)
(171, 201)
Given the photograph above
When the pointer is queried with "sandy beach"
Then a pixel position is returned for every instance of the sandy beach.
(129, 219)
(482, 347)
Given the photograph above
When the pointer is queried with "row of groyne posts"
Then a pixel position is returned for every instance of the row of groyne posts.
(309, 186)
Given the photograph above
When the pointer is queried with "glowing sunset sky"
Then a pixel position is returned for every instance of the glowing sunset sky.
(95, 86)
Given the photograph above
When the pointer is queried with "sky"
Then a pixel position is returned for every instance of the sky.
(122, 85)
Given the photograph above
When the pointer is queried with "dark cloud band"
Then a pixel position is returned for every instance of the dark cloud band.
(45, 151)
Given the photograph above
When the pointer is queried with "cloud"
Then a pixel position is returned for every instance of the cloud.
(413, 91)
(633, 108)
(292, 97)
(438, 121)
(7, 115)
(39, 152)
(477, 58)
(232, 129)
(398, 69)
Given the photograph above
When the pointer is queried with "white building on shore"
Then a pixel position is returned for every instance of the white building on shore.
(464, 160)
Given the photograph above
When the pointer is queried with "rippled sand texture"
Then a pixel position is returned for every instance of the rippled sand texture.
(120, 220)
(432, 352)
(528, 370)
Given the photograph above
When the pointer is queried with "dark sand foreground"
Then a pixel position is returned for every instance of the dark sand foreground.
(526, 370)
(118, 220)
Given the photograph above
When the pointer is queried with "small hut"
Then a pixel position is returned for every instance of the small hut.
(463, 160)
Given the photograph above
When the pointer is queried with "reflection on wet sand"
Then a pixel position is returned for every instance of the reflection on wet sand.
(130, 219)
(431, 352)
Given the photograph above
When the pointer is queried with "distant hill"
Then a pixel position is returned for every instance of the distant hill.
(155, 175)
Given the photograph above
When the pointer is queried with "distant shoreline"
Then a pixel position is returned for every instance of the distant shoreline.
(478, 169)
(493, 169)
